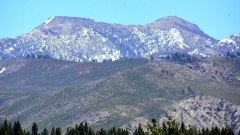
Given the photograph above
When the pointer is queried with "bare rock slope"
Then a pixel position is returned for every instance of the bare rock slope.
(205, 112)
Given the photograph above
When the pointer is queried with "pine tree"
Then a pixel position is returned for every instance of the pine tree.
(139, 130)
(182, 128)
(53, 132)
(112, 131)
(28, 133)
(58, 131)
(228, 53)
(45, 131)
(172, 126)
(190, 130)
(34, 129)
(203, 131)
(207, 131)
(151, 58)
(91, 132)
(164, 127)
(81, 129)
(3, 131)
(5, 124)
(195, 130)
(152, 129)
(17, 129)
(101, 132)
(229, 130)
(10, 128)
(86, 127)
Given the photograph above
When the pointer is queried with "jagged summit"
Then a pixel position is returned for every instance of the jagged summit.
(74, 38)
(230, 38)
(174, 20)
(171, 17)
(231, 43)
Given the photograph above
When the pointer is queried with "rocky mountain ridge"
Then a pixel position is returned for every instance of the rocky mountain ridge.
(80, 39)
(231, 44)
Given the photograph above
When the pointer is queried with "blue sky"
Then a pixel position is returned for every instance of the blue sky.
(217, 18)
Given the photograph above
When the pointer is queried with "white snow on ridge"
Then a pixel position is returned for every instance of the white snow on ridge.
(9, 49)
(85, 31)
(197, 52)
(49, 20)
(2, 70)
(228, 40)
(236, 35)
(35, 30)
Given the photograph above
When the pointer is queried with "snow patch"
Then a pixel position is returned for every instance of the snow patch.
(35, 30)
(197, 52)
(2, 70)
(9, 49)
(100, 58)
(176, 37)
(85, 31)
(49, 20)
(228, 40)
(104, 39)
(236, 35)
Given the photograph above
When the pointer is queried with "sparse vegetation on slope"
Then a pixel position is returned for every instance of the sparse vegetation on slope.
(126, 91)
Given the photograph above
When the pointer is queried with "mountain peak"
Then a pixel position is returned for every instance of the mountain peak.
(169, 18)
(174, 20)
(231, 43)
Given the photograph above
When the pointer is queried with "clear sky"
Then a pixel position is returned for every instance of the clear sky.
(217, 18)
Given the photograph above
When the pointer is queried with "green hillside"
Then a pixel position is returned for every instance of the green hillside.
(122, 92)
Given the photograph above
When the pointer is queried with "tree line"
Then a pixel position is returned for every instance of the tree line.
(168, 128)
(38, 56)
(178, 57)
(172, 128)
(232, 55)
(7, 128)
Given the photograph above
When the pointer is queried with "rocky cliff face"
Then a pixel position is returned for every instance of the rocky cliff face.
(205, 111)
(79, 39)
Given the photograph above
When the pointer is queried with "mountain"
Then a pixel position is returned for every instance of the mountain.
(81, 39)
(231, 44)
(121, 93)
(125, 90)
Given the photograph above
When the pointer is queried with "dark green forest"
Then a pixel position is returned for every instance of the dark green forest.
(168, 128)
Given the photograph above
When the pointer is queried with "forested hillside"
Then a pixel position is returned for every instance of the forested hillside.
(168, 128)
(123, 93)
